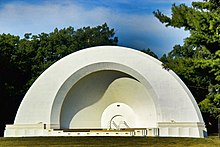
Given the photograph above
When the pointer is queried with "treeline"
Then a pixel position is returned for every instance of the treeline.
(23, 60)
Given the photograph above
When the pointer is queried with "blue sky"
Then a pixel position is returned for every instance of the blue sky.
(132, 20)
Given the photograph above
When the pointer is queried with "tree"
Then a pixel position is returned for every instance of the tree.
(197, 62)
(10, 83)
(23, 60)
(202, 20)
(55, 45)
(149, 52)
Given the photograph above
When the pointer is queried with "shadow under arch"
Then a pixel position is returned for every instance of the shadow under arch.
(87, 70)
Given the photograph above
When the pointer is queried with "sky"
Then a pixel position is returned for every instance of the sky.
(133, 20)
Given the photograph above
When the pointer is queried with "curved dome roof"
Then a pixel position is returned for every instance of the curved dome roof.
(47, 101)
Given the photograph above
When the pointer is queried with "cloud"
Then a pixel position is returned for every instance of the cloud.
(133, 29)
(147, 32)
(21, 18)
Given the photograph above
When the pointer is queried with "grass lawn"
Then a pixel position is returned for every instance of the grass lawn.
(212, 141)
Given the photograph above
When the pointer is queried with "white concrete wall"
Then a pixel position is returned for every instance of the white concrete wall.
(44, 101)
(181, 129)
(40, 130)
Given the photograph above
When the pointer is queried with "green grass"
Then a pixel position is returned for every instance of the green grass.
(212, 141)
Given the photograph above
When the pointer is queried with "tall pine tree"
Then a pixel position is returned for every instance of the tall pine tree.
(197, 62)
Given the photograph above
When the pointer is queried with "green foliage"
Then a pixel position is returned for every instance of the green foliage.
(149, 52)
(202, 20)
(23, 60)
(211, 104)
(45, 49)
(197, 62)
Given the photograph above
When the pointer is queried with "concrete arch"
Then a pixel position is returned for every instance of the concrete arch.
(104, 66)
(174, 110)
